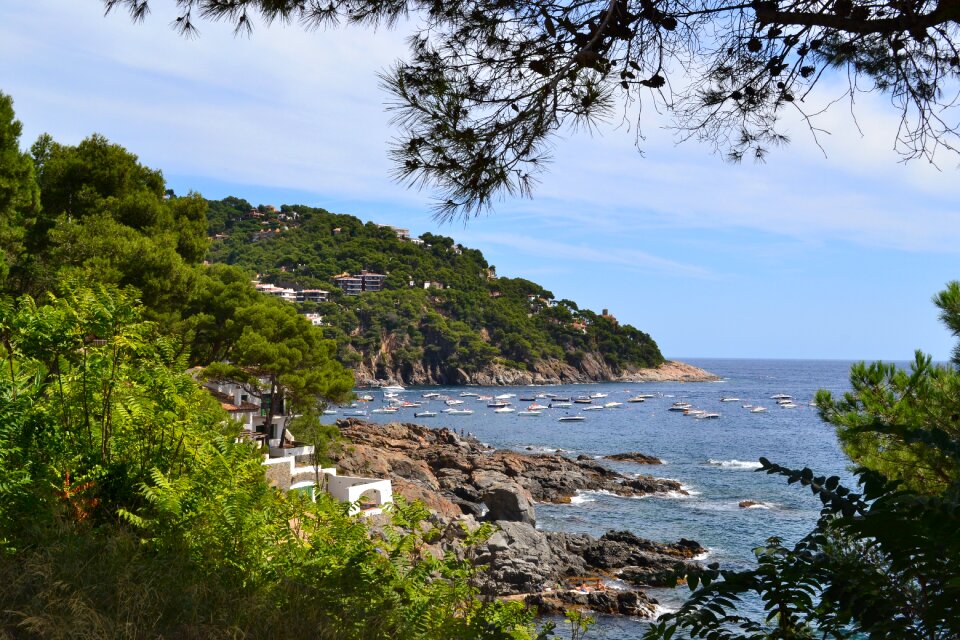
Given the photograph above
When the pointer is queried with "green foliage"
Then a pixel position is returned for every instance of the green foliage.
(883, 401)
(882, 560)
(125, 512)
(473, 321)
(19, 196)
(104, 217)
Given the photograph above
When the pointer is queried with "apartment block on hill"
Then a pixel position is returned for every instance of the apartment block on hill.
(355, 284)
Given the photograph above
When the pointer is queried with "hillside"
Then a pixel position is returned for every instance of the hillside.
(442, 316)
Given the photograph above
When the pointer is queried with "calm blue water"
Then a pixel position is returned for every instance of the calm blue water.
(714, 459)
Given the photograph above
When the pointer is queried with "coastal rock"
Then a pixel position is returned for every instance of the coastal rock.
(521, 560)
(592, 368)
(634, 456)
(462, 481)
(463, 469)
(649, 484)
(509, 502)
(628, 603)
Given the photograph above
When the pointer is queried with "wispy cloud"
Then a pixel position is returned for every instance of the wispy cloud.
(631, 260)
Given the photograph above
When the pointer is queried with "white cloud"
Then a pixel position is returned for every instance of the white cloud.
(623, 258)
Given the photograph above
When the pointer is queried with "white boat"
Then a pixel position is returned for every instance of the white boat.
(385, 410)
(485, 398)
(680, 406)
(506, 396)
(390, 394)
(696, 413)
(572, 419)
(781, 396)
(529, 413)
(598, 395)
(593, 408)
(354, 412)
(612, 405)
(788, 405)
(636, 399)
(453, 403)
(497, 405)
(430, 394)
(425, 414)
(365, 398)
(393, 387)
(528, 398)
(469, 394)
(329, 412)
(646, 396)
(758, 409)
(583, 400)
(707, 416)
(784, 401)
(504, 410)
(747, 406)
(458, 412)
(729, 399)
(536, 407)
(560, 404)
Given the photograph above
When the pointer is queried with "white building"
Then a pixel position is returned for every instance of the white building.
(366, 496)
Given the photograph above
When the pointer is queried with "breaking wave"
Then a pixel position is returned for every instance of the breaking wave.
(734, 464)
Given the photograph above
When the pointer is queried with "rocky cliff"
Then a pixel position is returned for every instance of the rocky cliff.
(463, 481)
(592, 369)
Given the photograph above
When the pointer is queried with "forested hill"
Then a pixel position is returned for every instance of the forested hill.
(443, 315)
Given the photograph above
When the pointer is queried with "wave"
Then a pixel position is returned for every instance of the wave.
(581, 499)
(542, 449)
(660, 610)
(734, 464)
(762, 505)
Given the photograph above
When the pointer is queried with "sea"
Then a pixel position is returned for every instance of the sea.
(715, 459)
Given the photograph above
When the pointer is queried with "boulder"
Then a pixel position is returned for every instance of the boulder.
(635, 457)
(509, 502)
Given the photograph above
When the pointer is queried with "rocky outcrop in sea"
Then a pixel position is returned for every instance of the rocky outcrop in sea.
(464, 482)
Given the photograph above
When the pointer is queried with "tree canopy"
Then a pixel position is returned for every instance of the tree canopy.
(882, 561)
(487, 84)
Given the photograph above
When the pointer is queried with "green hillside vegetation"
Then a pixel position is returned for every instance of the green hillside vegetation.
(474, 320)
(128, 509)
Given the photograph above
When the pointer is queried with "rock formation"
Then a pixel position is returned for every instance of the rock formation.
(592, 369)
(463, 481)
(634, 456)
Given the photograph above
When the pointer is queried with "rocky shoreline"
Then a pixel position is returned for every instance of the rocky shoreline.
(592, 369)
(464, 482)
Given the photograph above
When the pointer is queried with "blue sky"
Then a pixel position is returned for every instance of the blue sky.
(804, 257)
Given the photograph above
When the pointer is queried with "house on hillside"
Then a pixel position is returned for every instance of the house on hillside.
(366, 496)
(354, 285)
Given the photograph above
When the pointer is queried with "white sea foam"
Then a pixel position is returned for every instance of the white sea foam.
(539, 449)
(734, 464)
(660, 610)
(762, 505)
(581, 499)
(706, 554)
